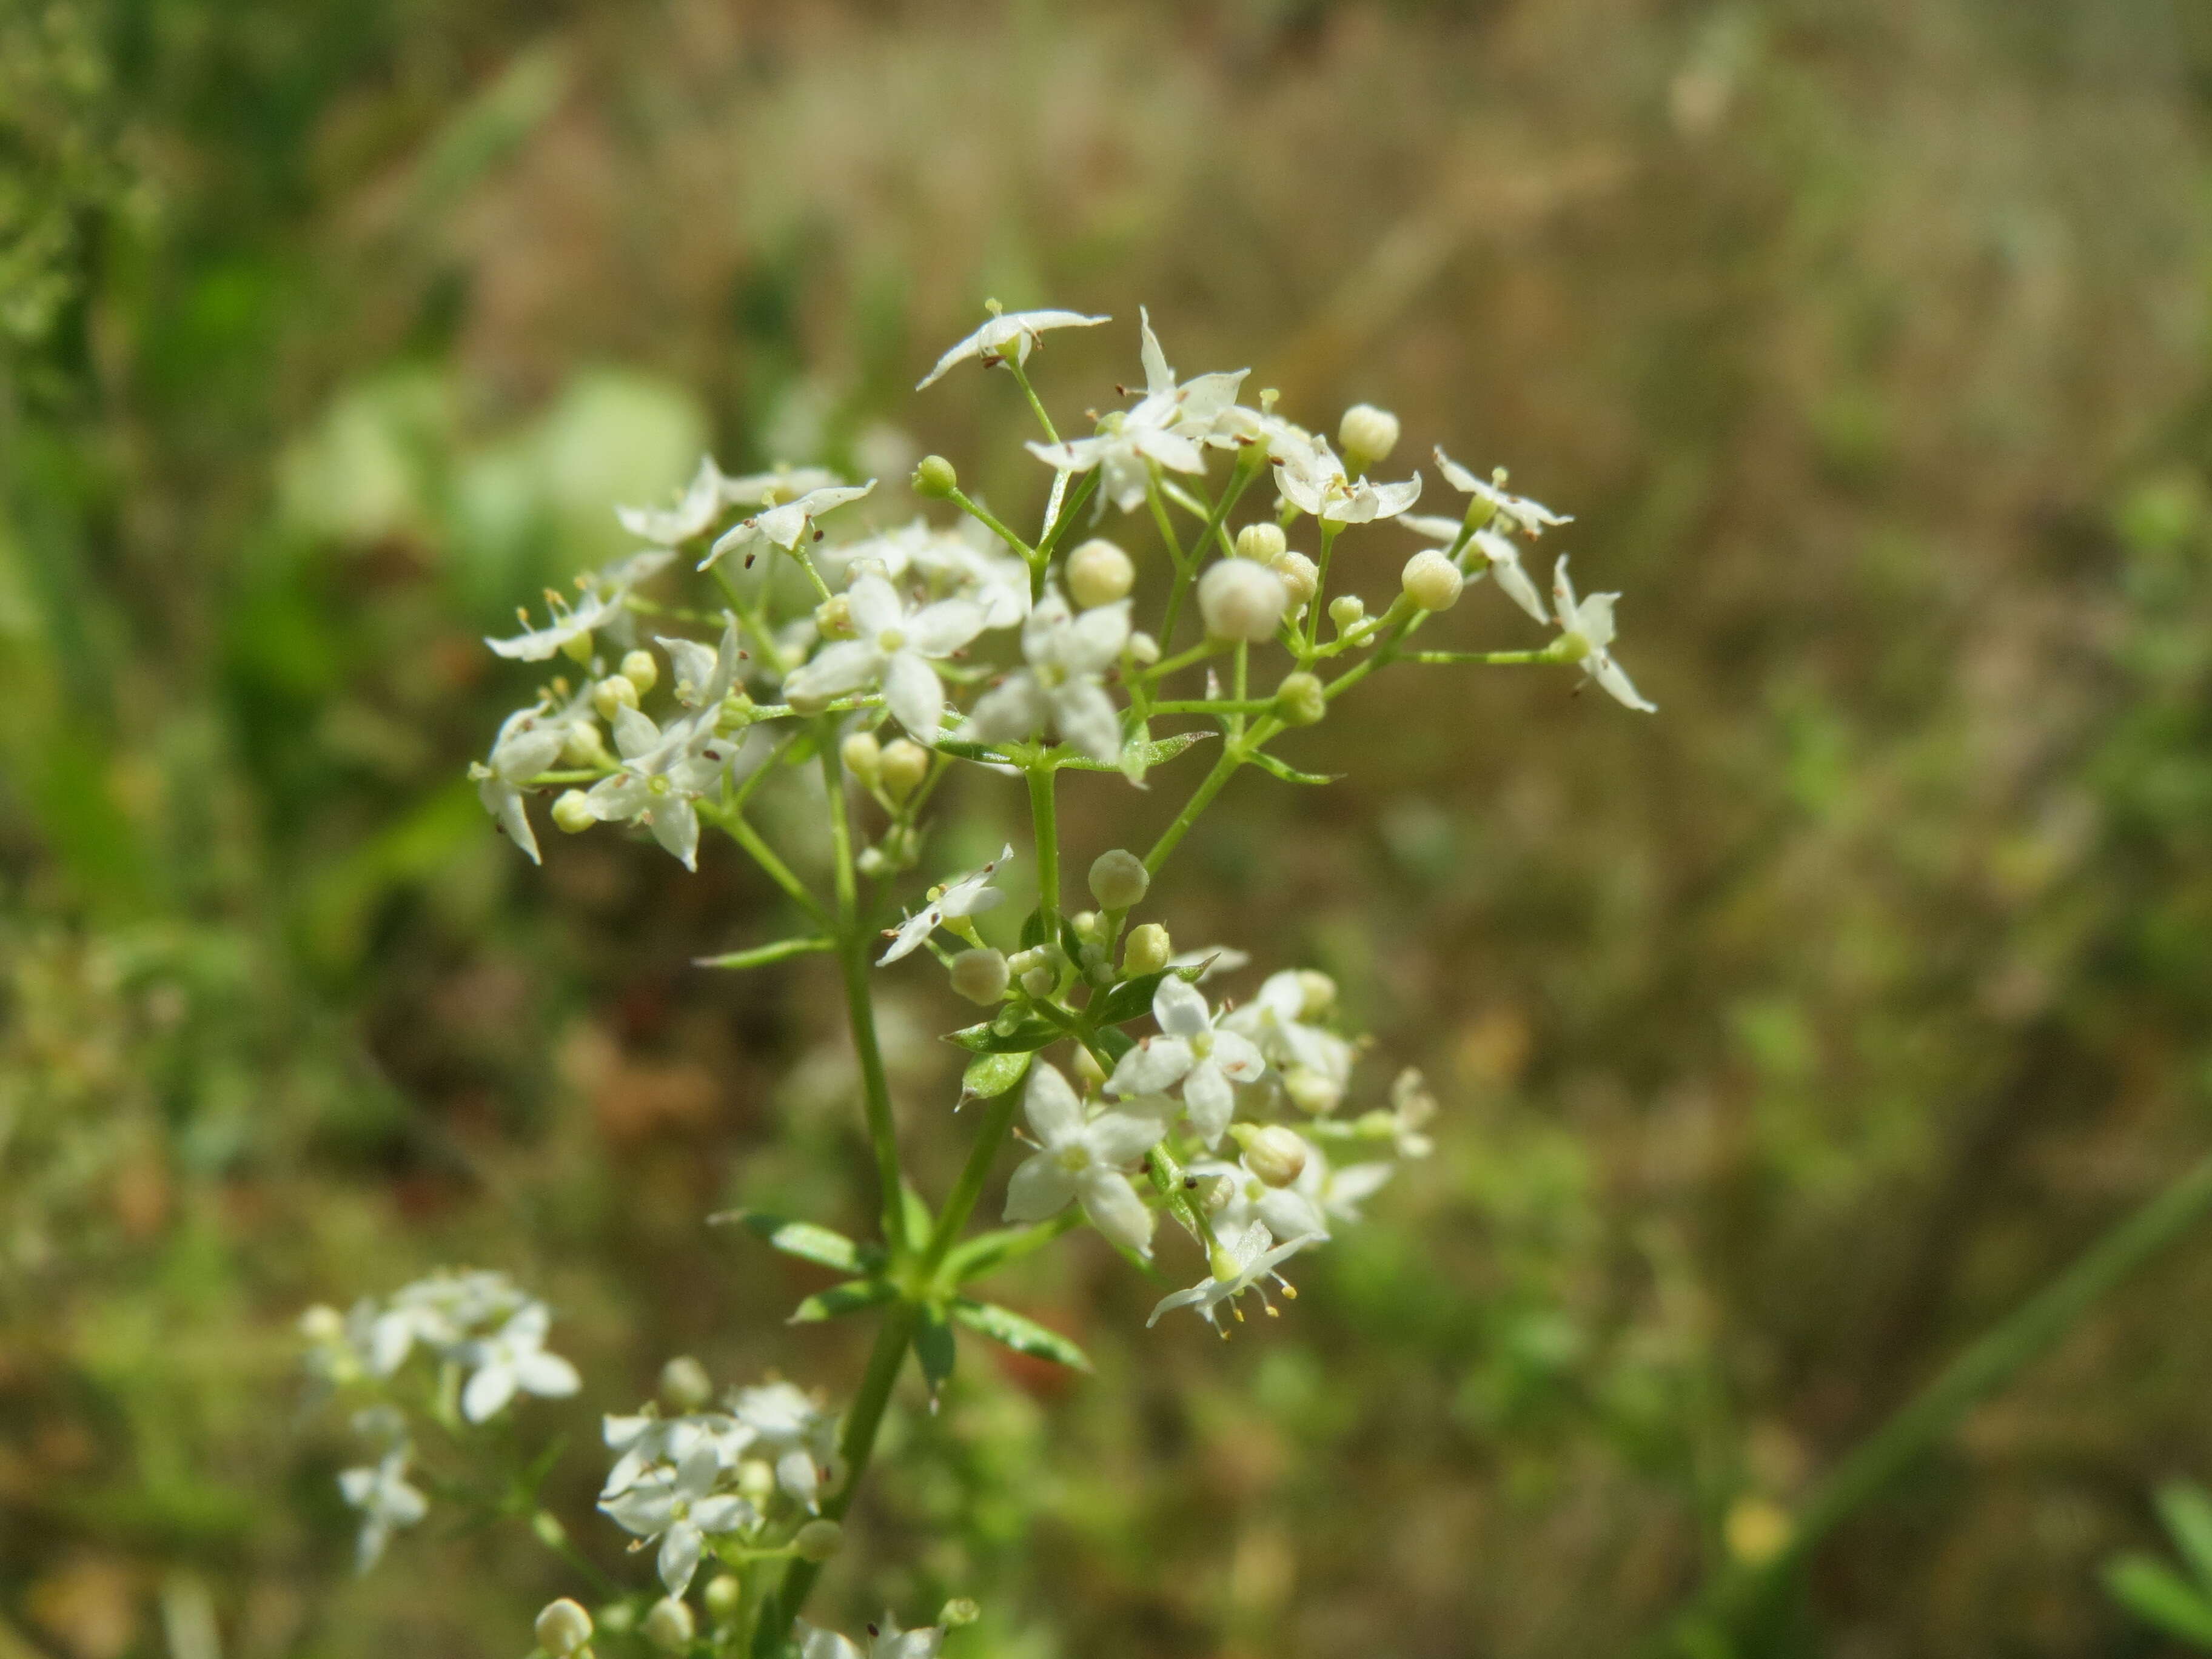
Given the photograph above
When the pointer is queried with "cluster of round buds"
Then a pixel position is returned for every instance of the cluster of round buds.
(1098, 573)
(1242, 599)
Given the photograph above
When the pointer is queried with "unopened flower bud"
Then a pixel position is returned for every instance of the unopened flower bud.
(1312, 1091)
(669, 1626)
(1099, 573)
(639, 668)
(934, 479)
(322, 1323)
(578, 647)
(1347, 610)
(1119, 879)
(756, 1480)
(904, 765)
(572, 812)
(1276, 1155)
(818, 1539)
(1242, 599)
(562, 1628)
(617, 1617)
(1320, 994)
(981, 977)
(1147, 951)
(1262, 543)
(1144, 649)
(684, 1383)
(862, 755)
(1432, 581)
(1367, 434)
(612, 693)
(549, 1531)
(1088, 1072)
(1301, 699)
(1215, 1192)
(1089, 926)
(961, 1610)
(1300, 575)
(833, 617)
(1039, 980)
(582, 745)
(724, 1594)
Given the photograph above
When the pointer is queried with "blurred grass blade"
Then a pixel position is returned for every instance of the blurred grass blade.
(761, 955)
(2158, 1595)
(2187, 1512)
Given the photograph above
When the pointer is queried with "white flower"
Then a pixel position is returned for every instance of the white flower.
(645, 1438)
(969, 895)
(781, 525)
(1590, 621)
(1193, 1050)
(1503, 557)
(1063, 686)
(1312, 479)
(1020, 330)
(792, 1430)
(664, 770)
(1082, 1160)
(894, 646)
(530, 740)
(1305, 1207)
(1165, 427)
(700, 505)
(1316, 1061)
(513, 1359)
(885, 1641)
(679, 1506)
(1531, 516)
(782, 482)
(379, 1491)
(1412, 1109)
(1248, 1256)
(605, 603)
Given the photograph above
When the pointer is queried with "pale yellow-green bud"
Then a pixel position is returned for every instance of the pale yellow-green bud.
(572, 812)
(1276, 1155)
(584, 746)
(1215, 1192)
(1147, 950)
(756, 1481)
(1347, 610)
(981, 976)
(1320, 994)
(1300, 575)
(562, 1628)
(1432, 581)
(1241, 599)
(578, 647)
(639, 668)
(724, 1594)
(833, 617)
(863, 757)
(1262, 543)
(934, 479)
(1119, 879)
(957, 1612)
(905, 764)
(1220, 1263)
(612, 693)
(1039, 980)
(1144, 649)
(1301, 699)
(684, 1383)
(669, 1626)
(1367, 434)
(818, 1540)
(1312, 1091)
(617, 1617)
(1088, 1074)
(1099, 573)
(322, 1323)
(549, 1531)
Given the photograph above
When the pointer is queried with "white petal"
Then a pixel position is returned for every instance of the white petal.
(841, 667)
(940, 630)
(546, 1374)
(1115, 1210)
(1052, 1107)
(1094, 642)
(1210, 1101)
(676, 827)
(1159, 379)
(1116, 1139)
(1040, 1187)
(1608, 674)
(1291, 1215)
(1153, 1066)
(491, 1387)
(1179, 1008)
(914, 694)
(1013, 708)
(504, 802)
(680, 1548)
(1087, 720)
(1239, 1060)
(874, 606)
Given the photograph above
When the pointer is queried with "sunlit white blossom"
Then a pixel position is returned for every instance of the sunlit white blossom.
(1081, 1160)
(1243, 1259)
(663, 770)
(1320, 1193)
(1590, 621)
(530, 740)
(893, 646)
(379, 1491)
(783, 524)
(513, 1360)
(1014, 334)
(1164, 428)
(1531, 516)
(1062, 686)
(793, 1432)
(678, 1505)
(885, 1641)
(645, 1438)
(605, 603)
(1312, 1060)
(1312, 479)
(970, 895)
(1193, 1050)
(694, 511)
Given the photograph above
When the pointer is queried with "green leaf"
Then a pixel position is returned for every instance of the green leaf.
(1126, 1000)
(839, 1300)
(801, 751)
(989, 1075)
(2158, 1595)
(1022, 1335)
(915, 1209)
(761, 955)
(1034, 932)
(1157, 753)
(2188, 1514)
(934, 1347)
(1026, 1037)
(1288, 773)
(972, 752)
(804, 1240)
(1115, 1041)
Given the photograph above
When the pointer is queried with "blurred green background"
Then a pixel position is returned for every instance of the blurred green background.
(1787, 1040)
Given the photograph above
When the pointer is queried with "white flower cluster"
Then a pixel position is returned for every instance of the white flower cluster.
(484, 1338)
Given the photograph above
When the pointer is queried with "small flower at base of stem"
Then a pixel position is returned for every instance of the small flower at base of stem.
(1242, 599)
(833, 618)
(1098, 573)
(1367, 435)
(562, 1628)
(863, 757)
(818, 1540)
(1300, 575)
(1432, 581)
(934, 480)
(639, 668)
(904, 765)
(1347, 611)
(572, 812)
(1147, 950)
(612, 693)
(669, 1626)
(1301, 699)
(1262, 543)
(1119, 879)
(1276, 1155)
(981, 976)
(724, 1594)
(684, 1383)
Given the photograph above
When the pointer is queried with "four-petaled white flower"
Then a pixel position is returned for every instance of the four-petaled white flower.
(679, 1506)
(885, 1641)
(1531, 516)
(646, 1438)
(1243, 1260)
(530, 740)
(1304, 1209)
(699, 505)
(1590, 621)
(1063, 686)
(513, 1359)
(1194, 1050)
(664, 770)
(1012, 334)
(380, 1490)
(969, 895)
(1312, 479)
(1081, 1160)
(794, 1432)
(605, 603)
(1312, 1060)
(894, 646)
(1164, 428)
(783, 524)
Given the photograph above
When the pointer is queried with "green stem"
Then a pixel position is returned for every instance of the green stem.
(984, 516)
(1329, 532)
(1041, 816)
(1218, 706)
(997, 1121)
(1022, 380)
(1543, 654)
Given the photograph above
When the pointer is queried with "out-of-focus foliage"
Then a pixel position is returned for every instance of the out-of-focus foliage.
(1787, 1039)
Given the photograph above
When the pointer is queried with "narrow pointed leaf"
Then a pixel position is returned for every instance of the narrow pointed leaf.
(934, 1347)
(803, 1239)
(1155, 753)
(761, 955)
(1034, 932)
(839, 1300)
(2158, 1595)
(1289, 774)
(987, 1253)
(1027, 1037)
(1022, 1335)
(989, 1075)
(1128, 1000)
(2188, 1515)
